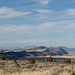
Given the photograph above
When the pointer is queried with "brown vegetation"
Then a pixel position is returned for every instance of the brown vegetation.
(37, 67)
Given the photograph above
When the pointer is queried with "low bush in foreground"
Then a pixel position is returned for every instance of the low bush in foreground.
(3, 57)
(32, 61)
(67, 60)
(50, 59)
(15, 61)
(73, 73)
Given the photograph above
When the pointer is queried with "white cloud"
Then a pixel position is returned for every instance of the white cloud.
(44, 11)
(43, 2)
(6, 12)
(54, 15)
(49, 27)
(68, 13)
(71, 12)
(13, 31)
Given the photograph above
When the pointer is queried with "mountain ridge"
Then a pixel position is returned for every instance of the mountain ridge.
(33, 51)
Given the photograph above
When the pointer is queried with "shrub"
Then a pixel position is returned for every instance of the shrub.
(32, 61)
(15, 61)
(3, 57)
(50, 59)
(73, 73)
(55, 61)
(67, 60)
(55, 71)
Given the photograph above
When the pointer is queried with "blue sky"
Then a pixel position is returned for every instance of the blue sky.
(37, 22)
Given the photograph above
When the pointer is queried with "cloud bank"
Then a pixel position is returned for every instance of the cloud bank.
(44, 28)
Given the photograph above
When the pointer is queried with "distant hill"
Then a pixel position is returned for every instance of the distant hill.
(30, 48)
(69, 50)
(37, 47)
(33, 51)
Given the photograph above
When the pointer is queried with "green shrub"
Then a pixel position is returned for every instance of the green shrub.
(15, 60)
(67, 60)
(32, 61)
(3, 57)
(50, 59)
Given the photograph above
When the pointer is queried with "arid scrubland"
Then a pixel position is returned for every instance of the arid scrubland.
(40, 67)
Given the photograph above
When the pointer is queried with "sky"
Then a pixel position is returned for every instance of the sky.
(48, 23)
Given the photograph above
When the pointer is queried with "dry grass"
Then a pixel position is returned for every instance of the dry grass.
(41, 67)
(72, 56)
